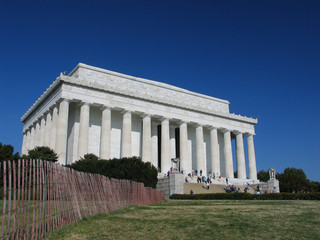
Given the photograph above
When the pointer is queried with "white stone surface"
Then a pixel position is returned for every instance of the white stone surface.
(146, 139)
(105, 136)
(84, 130)
(241, 167)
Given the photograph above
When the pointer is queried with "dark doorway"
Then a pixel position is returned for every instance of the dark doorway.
(159, 146)
(177, 137)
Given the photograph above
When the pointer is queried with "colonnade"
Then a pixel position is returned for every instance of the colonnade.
(51, 130)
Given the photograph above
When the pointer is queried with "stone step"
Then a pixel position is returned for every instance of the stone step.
(214, 188)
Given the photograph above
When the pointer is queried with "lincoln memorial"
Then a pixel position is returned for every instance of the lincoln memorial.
(113, 115)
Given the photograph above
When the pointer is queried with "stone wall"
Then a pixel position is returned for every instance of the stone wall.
(171, 185)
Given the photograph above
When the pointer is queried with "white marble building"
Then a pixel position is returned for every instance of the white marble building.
(113, 115)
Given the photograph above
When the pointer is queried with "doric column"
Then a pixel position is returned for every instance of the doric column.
(215, 154)
(83, 129)
(105, 141)
(186, 165)
(126, 135)
(54, 127)
(165, 146)
(42, 131)
(241, 162)
(228, 154)
(32, 137)
(146, 139)
(251, 158)
(24, 143)
(37, 134)
(154, 142)
(28, 132)
(48, 130)
(62, 131)
(201, 161)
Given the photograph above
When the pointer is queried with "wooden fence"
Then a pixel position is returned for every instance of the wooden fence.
(41, 196)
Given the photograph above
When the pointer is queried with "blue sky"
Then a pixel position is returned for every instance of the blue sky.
(262, 56)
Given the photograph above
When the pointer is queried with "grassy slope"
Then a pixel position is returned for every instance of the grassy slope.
(202, 220)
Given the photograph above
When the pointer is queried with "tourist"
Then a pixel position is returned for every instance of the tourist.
(200, 172)
(198, 180)
(191, 192)
(196, 172)
(208, 185)
(227, 181)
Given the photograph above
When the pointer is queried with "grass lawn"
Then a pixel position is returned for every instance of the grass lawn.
(202, 220)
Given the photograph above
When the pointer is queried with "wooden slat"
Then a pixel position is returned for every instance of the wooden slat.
(4, 198)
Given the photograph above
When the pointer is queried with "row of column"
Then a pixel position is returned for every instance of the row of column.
(52, 129)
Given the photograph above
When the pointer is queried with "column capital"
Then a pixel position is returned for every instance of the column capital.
(46, 112)
(81, 103)
(224, 130)
(42, 116)
(182, 122)
(146, 115)
(125, 111)
(54, 105)
(247, 134)
(236, 132)
(64, 100)
(212, 127)
(164, 119)
(105, 107)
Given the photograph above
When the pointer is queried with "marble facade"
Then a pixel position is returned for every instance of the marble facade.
(113, 115)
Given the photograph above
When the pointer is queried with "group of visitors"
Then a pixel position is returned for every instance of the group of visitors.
(206, 181)
(232, 189)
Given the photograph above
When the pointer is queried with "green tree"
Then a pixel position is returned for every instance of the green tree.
(42, 153)
(293, 180)
(314, 186)
(263, 176)
(124, 168)
(6, 153)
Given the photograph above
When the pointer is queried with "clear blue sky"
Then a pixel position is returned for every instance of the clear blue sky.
(262, 56)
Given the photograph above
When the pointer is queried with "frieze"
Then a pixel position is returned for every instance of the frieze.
(155, 98)
(160, 93)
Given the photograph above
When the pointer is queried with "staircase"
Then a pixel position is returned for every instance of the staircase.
(214, 188)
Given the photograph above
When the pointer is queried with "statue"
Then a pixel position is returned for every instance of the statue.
(272, 173)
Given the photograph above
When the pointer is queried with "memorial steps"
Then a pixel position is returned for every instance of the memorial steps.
(197, 188)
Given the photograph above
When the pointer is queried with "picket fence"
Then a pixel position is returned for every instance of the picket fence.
(41, 196)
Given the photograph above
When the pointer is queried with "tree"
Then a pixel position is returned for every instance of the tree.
(314, 186)
(42, 153)
(263, 176)
(124, 168)
(293, 180)
(6, 153)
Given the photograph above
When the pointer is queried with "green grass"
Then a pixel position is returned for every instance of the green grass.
(202, 220)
